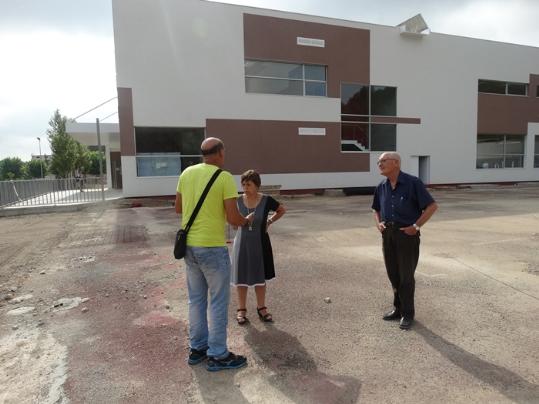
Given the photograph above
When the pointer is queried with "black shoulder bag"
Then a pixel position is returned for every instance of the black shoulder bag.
(181, 236)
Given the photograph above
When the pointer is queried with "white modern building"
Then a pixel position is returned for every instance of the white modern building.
(311, 102)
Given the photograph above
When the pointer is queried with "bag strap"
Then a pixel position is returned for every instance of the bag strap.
(201, 200)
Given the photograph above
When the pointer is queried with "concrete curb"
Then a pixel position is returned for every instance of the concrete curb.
(37, 210)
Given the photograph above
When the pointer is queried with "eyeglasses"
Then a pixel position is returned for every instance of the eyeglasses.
(383, 161)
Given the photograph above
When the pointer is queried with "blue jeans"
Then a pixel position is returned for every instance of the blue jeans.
(208, 269)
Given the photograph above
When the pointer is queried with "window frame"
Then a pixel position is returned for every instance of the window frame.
(303, 79)
(506, 87)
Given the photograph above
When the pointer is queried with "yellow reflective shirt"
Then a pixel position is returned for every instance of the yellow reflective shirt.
(208, 229)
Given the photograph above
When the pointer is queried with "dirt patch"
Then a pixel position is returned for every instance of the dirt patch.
(43, 362)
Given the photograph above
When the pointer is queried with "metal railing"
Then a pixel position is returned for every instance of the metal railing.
(41, 192)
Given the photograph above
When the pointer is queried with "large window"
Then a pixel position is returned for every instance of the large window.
(536, 156)
(502, 87)
(358, 103)
(500, 151)
(285, 78)
(167, 151)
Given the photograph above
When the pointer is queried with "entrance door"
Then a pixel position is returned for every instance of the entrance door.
(424, 169)
(116, 169)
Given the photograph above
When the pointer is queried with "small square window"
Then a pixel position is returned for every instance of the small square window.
(354, 99)
(315, 72)
(315, 88)
(354, 136)
(383, 100)
(383, 137)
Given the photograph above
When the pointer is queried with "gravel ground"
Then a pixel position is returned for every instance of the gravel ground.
(93, 308)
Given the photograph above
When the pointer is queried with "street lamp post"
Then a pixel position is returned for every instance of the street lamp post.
(40, 159)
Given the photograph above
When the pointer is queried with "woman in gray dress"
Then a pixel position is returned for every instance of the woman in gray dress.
(252, 256)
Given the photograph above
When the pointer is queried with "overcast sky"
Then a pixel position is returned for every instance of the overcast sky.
(60, 53)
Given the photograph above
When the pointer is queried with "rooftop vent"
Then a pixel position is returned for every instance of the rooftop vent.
(415, 26)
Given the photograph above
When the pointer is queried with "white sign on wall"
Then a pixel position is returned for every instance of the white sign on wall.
(319, 43)
(312, 131)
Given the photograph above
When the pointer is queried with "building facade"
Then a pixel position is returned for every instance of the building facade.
(311, 102)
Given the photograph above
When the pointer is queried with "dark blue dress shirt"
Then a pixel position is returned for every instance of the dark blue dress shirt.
(405, 203)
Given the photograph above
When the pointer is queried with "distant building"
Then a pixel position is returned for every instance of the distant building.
(45, 157)
(86, 134)
(311, 102)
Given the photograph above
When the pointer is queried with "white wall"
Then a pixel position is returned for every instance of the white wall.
(437, 79)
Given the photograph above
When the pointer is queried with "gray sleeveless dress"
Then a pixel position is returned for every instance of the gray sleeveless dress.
(252, 256)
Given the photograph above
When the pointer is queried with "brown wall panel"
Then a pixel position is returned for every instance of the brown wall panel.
(506, 114)
(346, 53)
(274, 147)
(394, 119)
(125, 119)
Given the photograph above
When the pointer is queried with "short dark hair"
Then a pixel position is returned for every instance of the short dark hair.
(253, 176)
(212, 150)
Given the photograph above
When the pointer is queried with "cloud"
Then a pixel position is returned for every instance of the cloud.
(498, 20)
(49, 69)
(55, 68)
(90, 16)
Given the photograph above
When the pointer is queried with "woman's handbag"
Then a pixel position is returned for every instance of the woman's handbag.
(180, 245)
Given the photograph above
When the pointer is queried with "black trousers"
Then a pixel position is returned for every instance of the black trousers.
(401, 254)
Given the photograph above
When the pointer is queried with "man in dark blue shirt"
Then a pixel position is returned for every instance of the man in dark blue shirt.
(401, 206)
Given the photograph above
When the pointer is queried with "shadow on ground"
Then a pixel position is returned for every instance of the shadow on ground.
(294, 371)
(508, 383)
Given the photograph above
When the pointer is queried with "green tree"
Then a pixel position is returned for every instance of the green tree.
(33, 168)
(11, 168)
(63, 146)
(82, 161)
(94, 162)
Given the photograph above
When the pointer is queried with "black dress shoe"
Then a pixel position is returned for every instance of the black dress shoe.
(406, 323)
(392, 315)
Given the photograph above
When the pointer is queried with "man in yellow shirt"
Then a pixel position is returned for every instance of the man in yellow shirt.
(206, 257)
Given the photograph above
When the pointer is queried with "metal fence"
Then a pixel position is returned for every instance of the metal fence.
(40, 192)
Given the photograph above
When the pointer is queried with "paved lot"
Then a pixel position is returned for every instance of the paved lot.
(477, 303)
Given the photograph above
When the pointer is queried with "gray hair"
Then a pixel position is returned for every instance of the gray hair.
(393, 155)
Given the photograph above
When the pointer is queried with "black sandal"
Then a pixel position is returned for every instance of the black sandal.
(242, 320)
(267, 318)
